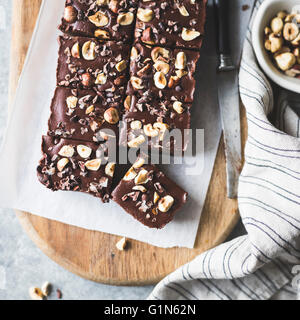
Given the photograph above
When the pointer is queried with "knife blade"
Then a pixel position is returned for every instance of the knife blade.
(228, 95)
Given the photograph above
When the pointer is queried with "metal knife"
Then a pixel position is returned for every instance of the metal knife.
(228, 94)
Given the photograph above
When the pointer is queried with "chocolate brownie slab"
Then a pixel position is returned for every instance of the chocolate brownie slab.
(83, 115)
(172, 23)
(158, 73)
(89, 63)
(148, 195)
(72, 165)
(103, 19)
(159, 134)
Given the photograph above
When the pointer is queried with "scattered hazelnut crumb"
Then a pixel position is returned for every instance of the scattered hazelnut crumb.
(46, 289)
(58, 294)
(36, 293)
(43, 292)
(245, 7)
(121, 244)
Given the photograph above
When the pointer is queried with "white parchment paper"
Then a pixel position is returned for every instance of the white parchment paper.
(19, 187)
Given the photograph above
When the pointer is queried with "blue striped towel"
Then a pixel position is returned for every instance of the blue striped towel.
(264, 263)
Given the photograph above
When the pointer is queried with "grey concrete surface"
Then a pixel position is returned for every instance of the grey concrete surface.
(22, 264)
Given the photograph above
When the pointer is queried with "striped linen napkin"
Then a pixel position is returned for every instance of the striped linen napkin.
(265, 262)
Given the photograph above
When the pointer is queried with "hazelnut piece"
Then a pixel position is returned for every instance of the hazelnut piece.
(86, 79)
(139, 163)
(136, 125)
(102, 2)
(268, 44)
(155, 197)
(110, 169)
(125, 19)
(84, 151)
(134, 54)
(121, 66)
(277, 25)
(145, 15)
(150, 131)
(139, 188)
(101, 78)
(72, 102)
(62, 163)
(290, 31)
(66, 151)
(101, 34)
(75, 51)
(136, 142)
(127, 103)
(111, 115)
(285, 60)
(177, 106)
(189, 35)
(113, 5)
(183, 11)
(88, 50)
(130, 174)
(70, 14)
(99, 19)
(160, 80)
(89, 109)
(180, 62)
(165, 204)
(147, 36)
(296, 41)
(159, 53)
(46, 289)
(276, 42)
(93, 165)
(294, 71)
(136, 83)
(142, 177)
(161, 66)
(121, 244)
(36, 293)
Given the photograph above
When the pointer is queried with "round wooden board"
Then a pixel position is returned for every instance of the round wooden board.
(92, 254)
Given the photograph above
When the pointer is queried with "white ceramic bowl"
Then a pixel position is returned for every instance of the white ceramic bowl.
(266, 12)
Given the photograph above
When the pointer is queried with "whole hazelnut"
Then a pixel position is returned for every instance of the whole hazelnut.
(86, 79)
(111, 116)
(70, 14)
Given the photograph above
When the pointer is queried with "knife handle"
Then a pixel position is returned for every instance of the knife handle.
(222, 9)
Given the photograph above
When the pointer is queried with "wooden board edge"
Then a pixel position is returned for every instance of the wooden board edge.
(24, 219)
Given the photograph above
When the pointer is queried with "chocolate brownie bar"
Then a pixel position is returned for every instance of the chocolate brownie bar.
(73, 165)
(158, 73)
(160, 134)
(103, 19)
(89, 63)
(164, 108)
(173, 23)
(148, 195)
(83, 115)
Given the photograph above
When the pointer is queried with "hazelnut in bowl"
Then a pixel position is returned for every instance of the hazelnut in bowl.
(276, 41)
